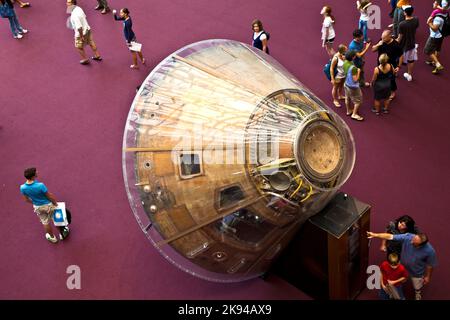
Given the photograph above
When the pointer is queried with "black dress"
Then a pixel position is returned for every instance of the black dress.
(383, 85)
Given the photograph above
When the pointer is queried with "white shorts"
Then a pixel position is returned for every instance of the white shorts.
(410, 55)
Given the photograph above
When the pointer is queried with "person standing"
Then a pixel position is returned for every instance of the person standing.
(328, 34)
(393, 275)
(260, 38)
(363, 7)
(418, 257)
(130, 37)
(102, 5)
(358, 46)
(17, 30)
(434, 42)
(398, 15)
(394, 52)
(407, 38)
(83, 34)
(353, 93)
(403, 224)
(381, 83)
(44, 203)
(338, 77)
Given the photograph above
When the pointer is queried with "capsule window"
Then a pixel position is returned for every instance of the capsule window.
(230, 196)
(245, 226)
(190, 165)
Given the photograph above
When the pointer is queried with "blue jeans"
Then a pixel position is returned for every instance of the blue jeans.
(363, 27)
(398, 17)
(384, 296)
(16, 28)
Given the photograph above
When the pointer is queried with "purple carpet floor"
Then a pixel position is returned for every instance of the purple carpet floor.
(68, 121)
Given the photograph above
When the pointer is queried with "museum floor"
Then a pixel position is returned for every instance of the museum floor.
(68, 121)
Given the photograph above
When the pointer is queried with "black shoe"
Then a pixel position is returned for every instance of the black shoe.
(98, 7)
(99, 58)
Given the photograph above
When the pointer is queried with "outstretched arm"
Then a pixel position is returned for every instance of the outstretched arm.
(386, 236)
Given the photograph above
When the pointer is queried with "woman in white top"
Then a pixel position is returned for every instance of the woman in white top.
(363, 6)
(337, 67)
(328, 34)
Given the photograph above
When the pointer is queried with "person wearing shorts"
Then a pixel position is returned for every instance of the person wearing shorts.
(44, 203)
(418, 257)
(434, 42)
(83, 33)
(407, 39)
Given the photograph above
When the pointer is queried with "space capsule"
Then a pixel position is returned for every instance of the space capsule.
(225, 155)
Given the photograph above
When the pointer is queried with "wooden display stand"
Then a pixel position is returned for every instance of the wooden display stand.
(328, 257)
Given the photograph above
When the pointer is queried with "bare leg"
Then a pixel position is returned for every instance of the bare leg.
(82, 54)
(377, 105)
(334, 95)
(134, 56)
(341, 91)
(410, 68)
(355, 110)
(330, 50)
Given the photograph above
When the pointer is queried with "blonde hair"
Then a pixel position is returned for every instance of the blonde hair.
(383, 59)
(393, 259)
(342, 49)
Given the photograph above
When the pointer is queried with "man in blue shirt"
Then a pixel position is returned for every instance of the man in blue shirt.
(418, 257)
(44, 203)
(358, 46)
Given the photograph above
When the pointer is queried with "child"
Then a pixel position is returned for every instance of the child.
(129, 34)
(393, 275)
(362, 6)
(442, 9)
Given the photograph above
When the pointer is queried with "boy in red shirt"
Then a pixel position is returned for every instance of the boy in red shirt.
(393, 275)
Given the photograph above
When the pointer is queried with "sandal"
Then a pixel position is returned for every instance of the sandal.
(24, 4)
(336, 103)
(99, 58)
(385, 111)
(357, 117)
(349, 113)
(84, 62)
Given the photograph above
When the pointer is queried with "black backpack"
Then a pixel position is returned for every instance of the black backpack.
(445, 29)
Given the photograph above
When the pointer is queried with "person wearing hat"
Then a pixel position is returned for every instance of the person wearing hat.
(363, 7)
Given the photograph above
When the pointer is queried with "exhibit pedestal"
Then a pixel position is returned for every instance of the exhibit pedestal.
(328, 257)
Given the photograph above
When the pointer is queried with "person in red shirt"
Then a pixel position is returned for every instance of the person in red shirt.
(393, 275)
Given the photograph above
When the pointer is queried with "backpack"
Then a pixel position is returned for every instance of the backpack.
(267, 35)
(445, 30)
(327, 69)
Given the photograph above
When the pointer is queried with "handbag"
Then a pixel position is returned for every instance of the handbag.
(6, 11)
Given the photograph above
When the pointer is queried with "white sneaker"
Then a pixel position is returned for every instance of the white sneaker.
(23, 31)
(50, 238)
(19, 36)
(407, 76)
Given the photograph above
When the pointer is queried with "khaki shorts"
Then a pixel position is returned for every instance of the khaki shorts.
(417, 283)
(88, 40)
(45, 212)
(354, 95)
